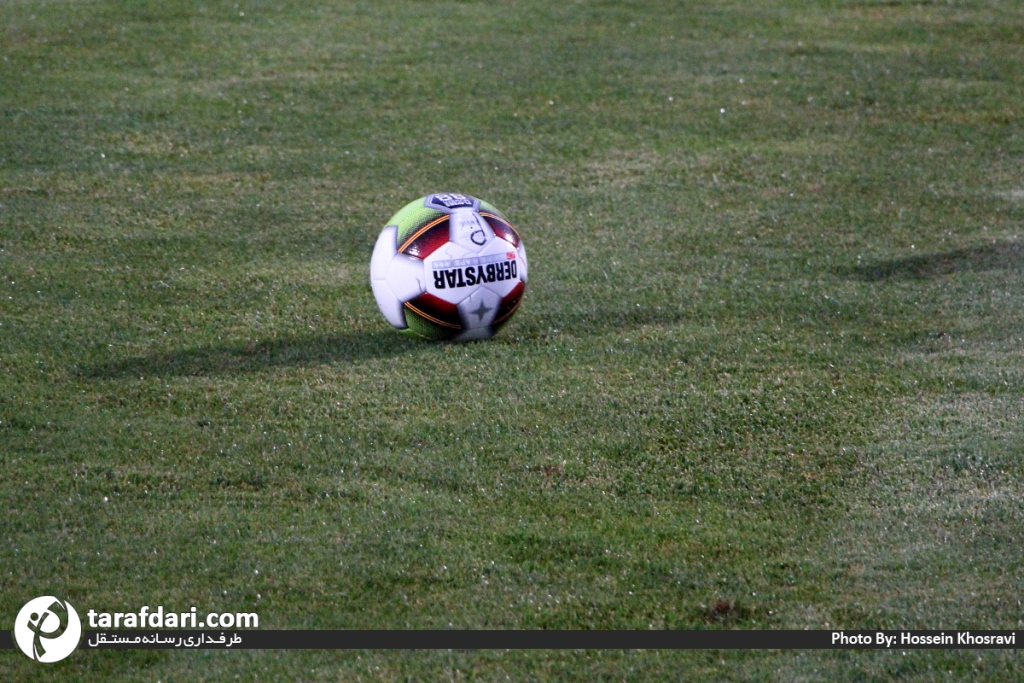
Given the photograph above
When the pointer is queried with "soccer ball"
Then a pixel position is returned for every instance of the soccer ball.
(448, 266)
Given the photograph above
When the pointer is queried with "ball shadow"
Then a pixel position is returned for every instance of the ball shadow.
(240, 358)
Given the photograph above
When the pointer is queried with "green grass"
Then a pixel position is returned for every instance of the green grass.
(771, 352)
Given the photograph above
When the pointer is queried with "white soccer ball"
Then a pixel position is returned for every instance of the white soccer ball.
(448, 266)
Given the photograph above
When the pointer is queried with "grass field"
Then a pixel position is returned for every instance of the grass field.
(768, 372)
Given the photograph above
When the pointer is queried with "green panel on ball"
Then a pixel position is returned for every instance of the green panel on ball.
(421, 328)
(412, 217)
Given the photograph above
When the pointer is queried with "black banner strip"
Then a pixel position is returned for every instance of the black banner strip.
(543, 640)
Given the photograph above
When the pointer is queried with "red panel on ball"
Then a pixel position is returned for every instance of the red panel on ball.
(502, 229)
(436, 310)
(509, 304)
(427, 239)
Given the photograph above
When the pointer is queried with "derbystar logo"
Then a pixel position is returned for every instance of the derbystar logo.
(467, 272)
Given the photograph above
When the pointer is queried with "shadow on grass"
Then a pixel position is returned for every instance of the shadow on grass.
(256, 356)
(996, 256)
(241, 358)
